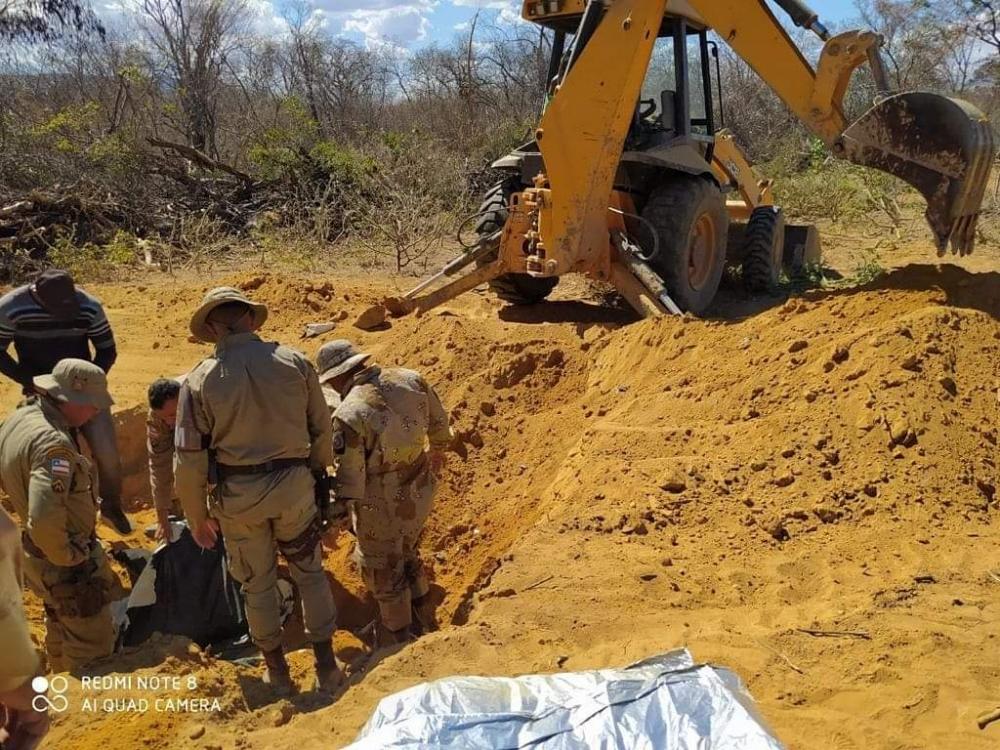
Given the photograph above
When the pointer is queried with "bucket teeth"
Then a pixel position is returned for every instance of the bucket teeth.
(943, 147)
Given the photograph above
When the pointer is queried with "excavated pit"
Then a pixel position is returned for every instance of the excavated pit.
(827, 465)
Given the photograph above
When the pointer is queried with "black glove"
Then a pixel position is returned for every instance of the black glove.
(322, 491)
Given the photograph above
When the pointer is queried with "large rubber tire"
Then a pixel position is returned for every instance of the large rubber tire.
(515, 288)
(763, 249)
(689, 215)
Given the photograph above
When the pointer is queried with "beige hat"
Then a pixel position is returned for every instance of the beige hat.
(76, 381)
(336, 358)
(220, 296)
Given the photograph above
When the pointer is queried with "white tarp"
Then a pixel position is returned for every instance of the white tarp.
(666, 702)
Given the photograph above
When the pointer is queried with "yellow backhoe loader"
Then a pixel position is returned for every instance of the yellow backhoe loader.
(631, 180)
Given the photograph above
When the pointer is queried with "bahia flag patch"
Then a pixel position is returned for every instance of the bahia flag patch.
(61, 466)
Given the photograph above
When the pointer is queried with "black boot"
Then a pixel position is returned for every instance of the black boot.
(329, 675)
(115, 517)
(385, 638)
(424, 617)
(276, 674)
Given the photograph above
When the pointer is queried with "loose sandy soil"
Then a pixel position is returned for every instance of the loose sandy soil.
(828, 463)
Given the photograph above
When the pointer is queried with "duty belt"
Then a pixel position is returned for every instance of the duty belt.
(226, 471)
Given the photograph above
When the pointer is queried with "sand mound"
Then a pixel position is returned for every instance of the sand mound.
(828, 465)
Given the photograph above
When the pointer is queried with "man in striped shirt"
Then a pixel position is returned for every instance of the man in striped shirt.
(50, 320)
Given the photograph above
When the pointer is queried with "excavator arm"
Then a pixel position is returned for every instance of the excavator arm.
(732, 167)
(756, 35)
(943, 147)
(582, 133)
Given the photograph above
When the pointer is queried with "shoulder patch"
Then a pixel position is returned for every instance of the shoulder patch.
(58, 486)
(339, 444)
(60, 467)
(60, 462)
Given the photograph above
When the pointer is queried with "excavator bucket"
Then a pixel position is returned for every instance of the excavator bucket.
(943, 147)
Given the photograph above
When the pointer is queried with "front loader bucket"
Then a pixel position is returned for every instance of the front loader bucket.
(943, 147)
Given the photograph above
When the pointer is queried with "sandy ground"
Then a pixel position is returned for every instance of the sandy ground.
(826, 463)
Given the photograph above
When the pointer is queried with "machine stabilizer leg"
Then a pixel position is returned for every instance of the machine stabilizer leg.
(639, 284)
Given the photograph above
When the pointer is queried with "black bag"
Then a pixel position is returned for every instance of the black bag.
(195, 597)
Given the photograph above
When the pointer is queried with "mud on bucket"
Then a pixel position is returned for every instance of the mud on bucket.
(942, 147)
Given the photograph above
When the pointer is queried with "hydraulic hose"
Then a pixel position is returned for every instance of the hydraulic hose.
(804, 17)
(645, 257)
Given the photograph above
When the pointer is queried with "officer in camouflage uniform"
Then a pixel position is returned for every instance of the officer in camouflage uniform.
(24, 726)
(52, 488)
(329, 394)
(389, 436)
(160, 423)
(252, 422)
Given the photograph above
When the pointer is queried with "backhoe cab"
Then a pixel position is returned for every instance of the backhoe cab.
(685, 189)
(632, 179)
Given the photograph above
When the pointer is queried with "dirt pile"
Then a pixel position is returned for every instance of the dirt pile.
(808, 496)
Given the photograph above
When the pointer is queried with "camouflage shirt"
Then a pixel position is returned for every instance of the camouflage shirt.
(160, 447)
(332, 398)
(383, 425)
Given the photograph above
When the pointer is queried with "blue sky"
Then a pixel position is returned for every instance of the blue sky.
(416, 23)
(404, 24)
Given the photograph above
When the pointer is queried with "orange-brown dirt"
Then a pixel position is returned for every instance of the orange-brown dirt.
(828, 464)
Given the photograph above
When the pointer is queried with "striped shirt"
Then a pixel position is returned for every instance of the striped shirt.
(42, 340)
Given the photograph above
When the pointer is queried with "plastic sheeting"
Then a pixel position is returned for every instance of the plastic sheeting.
(663, 703)
(185, 590)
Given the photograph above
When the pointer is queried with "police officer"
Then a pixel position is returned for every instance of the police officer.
(50, 320)
(254, 415)
(51, 486)
(389, 436)
(160, 423)
(23, 727)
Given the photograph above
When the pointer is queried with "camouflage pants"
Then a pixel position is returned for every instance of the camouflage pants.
(78, 627)
(261, 515)
(388, 524)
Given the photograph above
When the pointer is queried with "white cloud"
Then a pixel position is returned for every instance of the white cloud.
(511, 16)
(267, 20)
(505, 11)
(491, 4)
(397, 23)
(398, 26)
(265, 16)
(347, 7)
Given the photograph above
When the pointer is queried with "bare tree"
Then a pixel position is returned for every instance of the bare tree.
(983, 17)
(355, 87)
(908, 40)
(306, 52)
(193, 39)
(45, 20)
